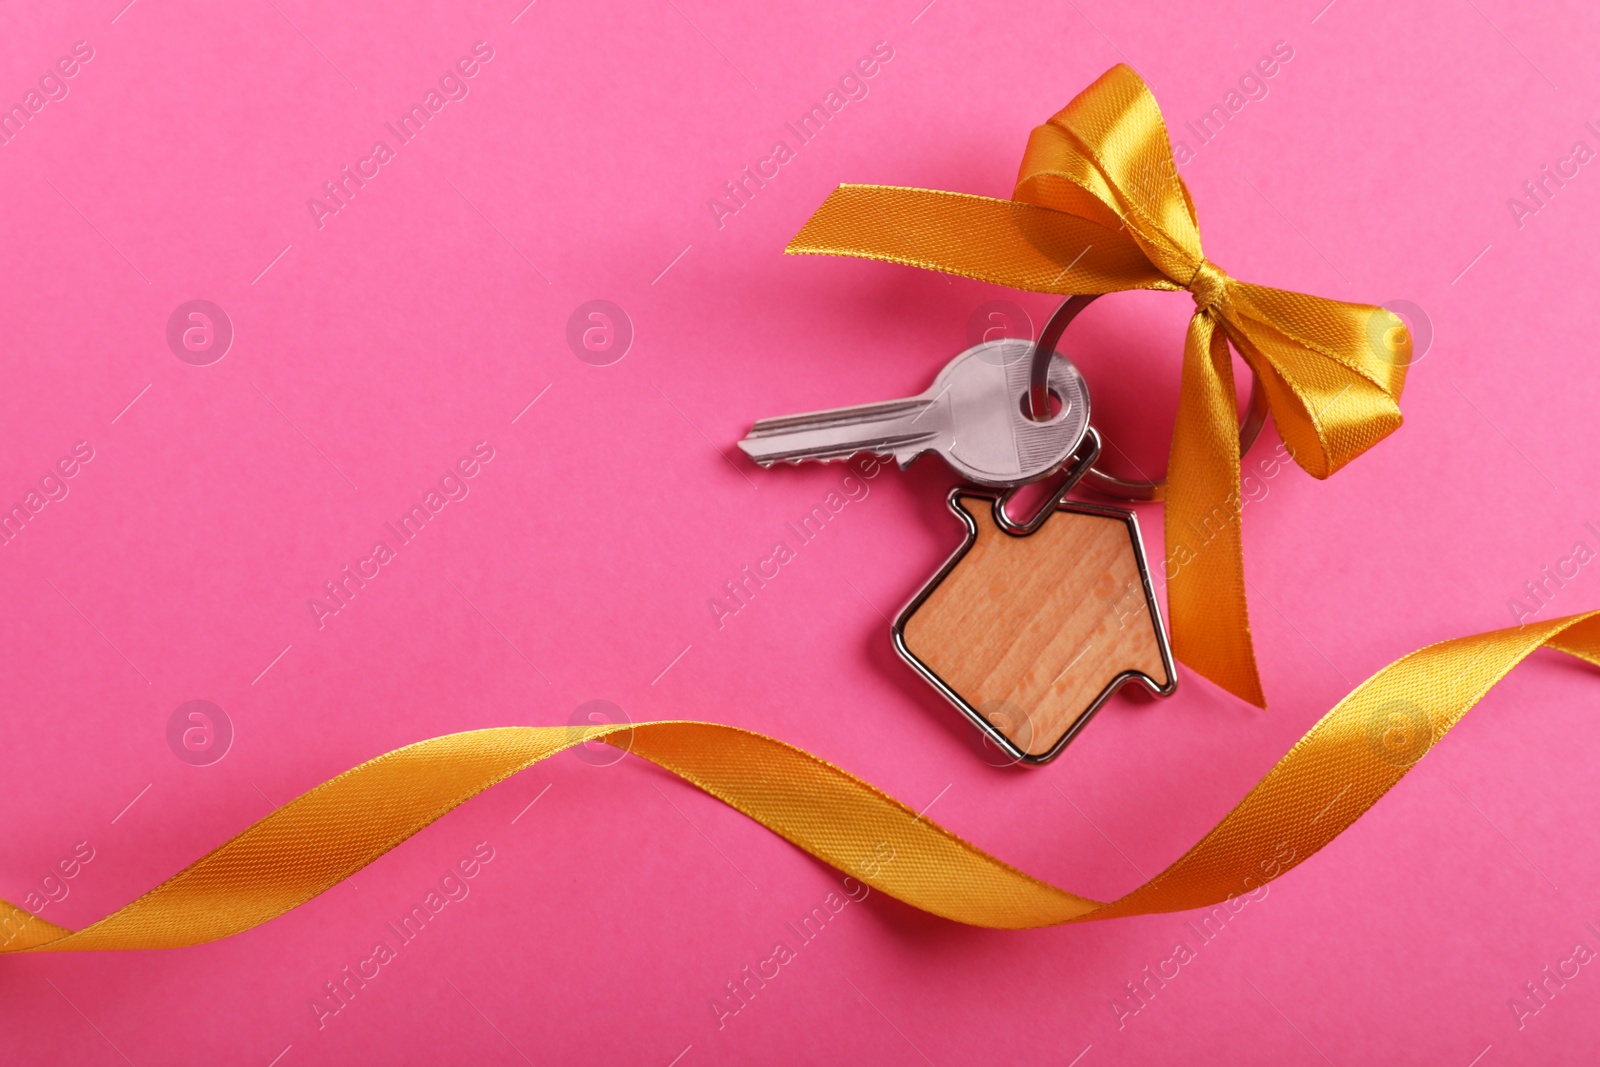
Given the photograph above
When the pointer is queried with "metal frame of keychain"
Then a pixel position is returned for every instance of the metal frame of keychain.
(991, 623)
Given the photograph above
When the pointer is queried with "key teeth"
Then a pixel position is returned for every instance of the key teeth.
(795, 461)
(904, 459)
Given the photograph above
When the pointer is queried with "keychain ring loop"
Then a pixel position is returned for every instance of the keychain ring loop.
(1039, 405)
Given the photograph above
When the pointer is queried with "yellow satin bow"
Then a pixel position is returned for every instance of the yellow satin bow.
(1099, 207)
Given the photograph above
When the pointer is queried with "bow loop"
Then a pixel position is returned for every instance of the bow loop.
(1106, 156)
(1333, 371)
(1099, 207)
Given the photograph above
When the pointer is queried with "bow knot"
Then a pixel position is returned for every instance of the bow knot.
(1099, 207)
(1209, 285)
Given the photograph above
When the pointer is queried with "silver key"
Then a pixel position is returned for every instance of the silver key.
(973, 415)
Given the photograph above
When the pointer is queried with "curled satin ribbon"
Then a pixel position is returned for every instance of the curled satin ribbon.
(1338, 770)
(1099, 207)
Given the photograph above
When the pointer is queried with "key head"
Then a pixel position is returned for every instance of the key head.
(989, 438)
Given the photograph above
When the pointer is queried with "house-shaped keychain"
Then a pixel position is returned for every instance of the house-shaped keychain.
(1030, 633)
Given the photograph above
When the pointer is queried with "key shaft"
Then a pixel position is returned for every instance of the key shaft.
(887, 428)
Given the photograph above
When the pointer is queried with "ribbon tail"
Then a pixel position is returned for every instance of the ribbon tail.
(1343, 766)
(1205, 550)
(1000, 241)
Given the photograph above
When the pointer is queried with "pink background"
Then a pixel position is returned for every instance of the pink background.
(429, 312)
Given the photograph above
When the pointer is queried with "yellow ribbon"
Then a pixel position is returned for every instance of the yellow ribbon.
(1099, 207)
(1332, 775)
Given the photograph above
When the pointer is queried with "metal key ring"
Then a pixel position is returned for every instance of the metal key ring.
(1039, 405)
